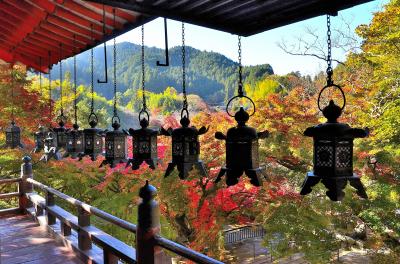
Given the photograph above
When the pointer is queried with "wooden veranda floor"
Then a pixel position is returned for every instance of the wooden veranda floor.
(22, 240)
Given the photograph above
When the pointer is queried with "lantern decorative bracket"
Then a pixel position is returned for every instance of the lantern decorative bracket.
(166, 64)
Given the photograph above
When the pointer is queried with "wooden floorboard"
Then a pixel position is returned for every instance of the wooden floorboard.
(24, 241)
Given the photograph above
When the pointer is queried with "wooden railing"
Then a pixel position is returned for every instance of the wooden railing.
(92, 244)
(6, 196)
(242, 233)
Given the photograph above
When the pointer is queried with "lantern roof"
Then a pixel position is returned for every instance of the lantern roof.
(30, 29)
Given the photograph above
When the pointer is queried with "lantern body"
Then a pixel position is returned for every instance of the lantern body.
(75, 143)
(13, 136)
(60, 134)
(144, 146)
(185, 149)
(93, 143)
(116, 147)
(333, 155)
(242, 152)
(39, 138)
(50, 148)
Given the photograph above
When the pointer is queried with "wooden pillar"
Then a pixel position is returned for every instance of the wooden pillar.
(148, 225)
(24, 186)
(51, 219)
(84, 241)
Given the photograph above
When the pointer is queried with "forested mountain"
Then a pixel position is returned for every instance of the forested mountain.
(210, 75)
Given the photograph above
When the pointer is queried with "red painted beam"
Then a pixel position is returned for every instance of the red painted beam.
(72, 18)
(46, 5)
(66, 33)
(85, 12)
(68, 43)
(125, 14)
(26, 8)
(10, 10)
(76, 29)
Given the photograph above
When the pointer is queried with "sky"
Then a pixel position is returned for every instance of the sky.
(260, 48)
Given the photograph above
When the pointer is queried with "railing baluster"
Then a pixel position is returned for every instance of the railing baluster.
(109, 257)
(23, 186)
(84, 241)
(51, 219)
(148, 225)
(65, 229)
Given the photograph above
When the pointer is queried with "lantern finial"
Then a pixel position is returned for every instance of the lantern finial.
(332, 112)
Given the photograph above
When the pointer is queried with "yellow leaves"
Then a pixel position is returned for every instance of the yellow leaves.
(394, 196)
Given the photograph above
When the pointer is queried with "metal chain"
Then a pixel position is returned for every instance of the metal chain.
(185, 103)
(329, 70)
(115, 73)
(50, 105)
(40, 77)
(143, 73)
(12, 94)
(75, 95)
(91, 73)
(240, 85)
(61, 80)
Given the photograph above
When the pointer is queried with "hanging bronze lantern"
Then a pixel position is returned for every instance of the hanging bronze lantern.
(116, 140)
(13, 132)
(93, 137)
(116, 145)
(50, 148)
(241, 142)
(144, 139)
(333, 154)
(144, 146)
(75, 144)
(242, 152)
(13, 136)
(185, 139)
(60, 133)
(185, 148)
(333, 145)
(40, 135)
(50, 140)
(39, 138)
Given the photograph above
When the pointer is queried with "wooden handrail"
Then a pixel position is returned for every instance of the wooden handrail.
(10, 180)
(88, 208)
(160, 241)
(8, 195)
(185, 252)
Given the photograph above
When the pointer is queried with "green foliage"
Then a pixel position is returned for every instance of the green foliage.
(210, 75)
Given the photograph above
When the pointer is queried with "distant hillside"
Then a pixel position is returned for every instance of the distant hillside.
(210, 75)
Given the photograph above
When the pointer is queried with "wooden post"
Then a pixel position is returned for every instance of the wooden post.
(65, 229)
(24, 186)
(84, 241)
(51, 219)
(148, 225)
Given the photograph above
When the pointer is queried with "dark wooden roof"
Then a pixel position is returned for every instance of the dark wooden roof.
(242, 17)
